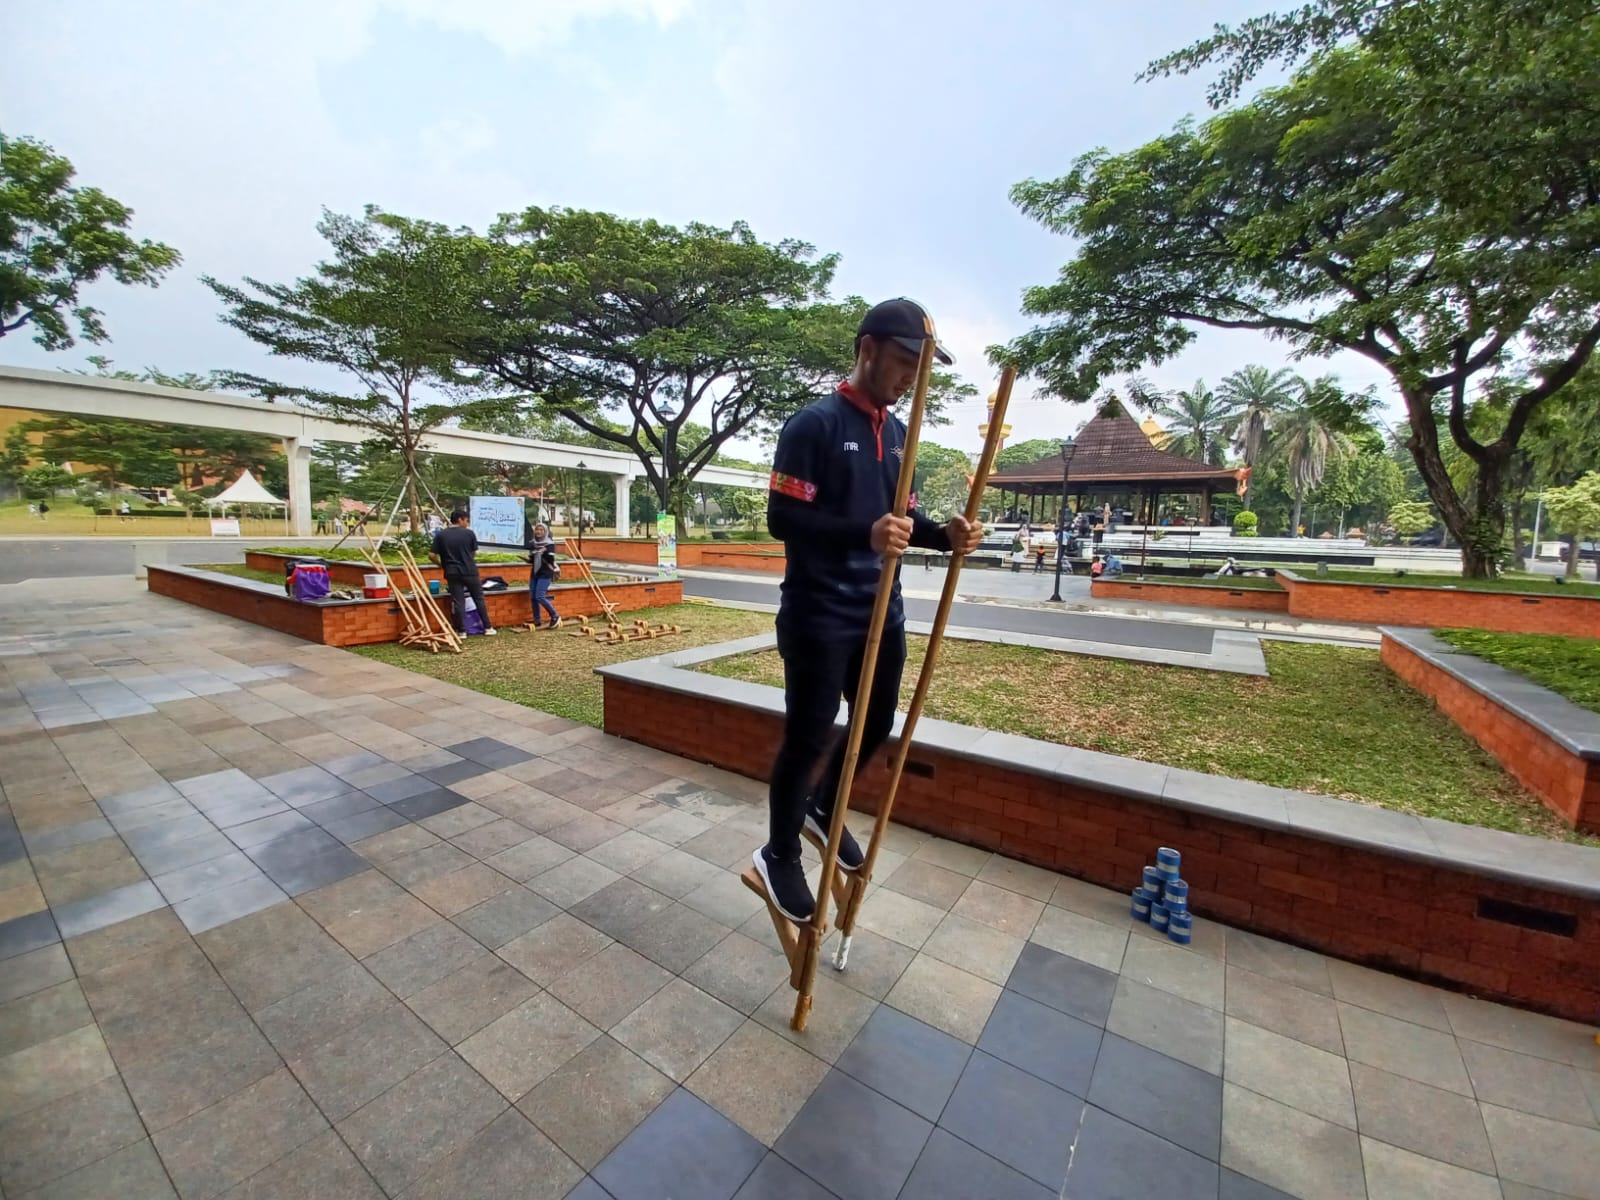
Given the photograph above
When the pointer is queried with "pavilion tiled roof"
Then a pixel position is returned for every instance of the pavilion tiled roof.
(1112, 447)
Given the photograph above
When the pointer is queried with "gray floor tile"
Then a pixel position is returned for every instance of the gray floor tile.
(304, 785)
(1169, 1098)
(34, 970)
(1113, 1158)
(1415, 1051)
(875, 1162)
(358, 1065)
(1241, 1187)
(1021, 1120)
(1057, 1048)
(677, 1029)
(675, 937)
(230, 1141)
(507, 916)
(1290, 1072)
(508, 1160)
(1280, 961)
(200, 1072)
(607, 987)
(160, 860)
(552, 949)
(65, 836)
(73, 1131)
(1288, 1149)
(1065, 984)
(364, 823)
(132, 1173)
(775, 1179)
(684, 1148)
(428, 804)
(1189, 1032)
(1560, 1158)
(426, 957)
(1527, 1084)
(739, 971)
(1417, 1117)
(758, 1080)
(322, 1167)
(22, 935)
(41, 1015)
(267, 829)
(322, 1010)
(909, 1062)
(1283, 1008)
(950, 1169)
(186, 882)
(408, 1130)
(619, 907)
(515, 1052)
(210, 909)
(595, 1100)
(108, 908)
(588, 1189)
(391, 790)
(1395, 1174)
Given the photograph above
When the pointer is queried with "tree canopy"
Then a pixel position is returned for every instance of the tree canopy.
(55, 238)
(1428, 198)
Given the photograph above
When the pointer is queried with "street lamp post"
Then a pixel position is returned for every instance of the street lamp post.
(581, 469)
(1068, 448)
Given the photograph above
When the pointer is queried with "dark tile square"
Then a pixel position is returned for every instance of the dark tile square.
(854, 1141)
(1057, 1048)
(949, 1169)
(108, 908)
(507, 756)
(685, 1148)
(1171, 1099)
(345, 804)
(398, 789)
(267, 829)
(454, 772)
(508, 915)
(22, 934)
(282, 853)
(476, 746)
(428, 804)
(906, 1060)
(1023, 1121)
(1241, 1187)
(346, 765)
(362, 825)
(620, 907)
(588, 1189)
(227, 813)
(775, 1179)
(1114, 1159)
(1065, 984)
(319, 870)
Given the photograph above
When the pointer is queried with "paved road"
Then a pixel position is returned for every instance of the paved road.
(71, 557)
(1119, 631)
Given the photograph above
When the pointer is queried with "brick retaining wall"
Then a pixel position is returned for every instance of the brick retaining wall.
(368, 622)
(1221, 596)
(1439, 608)
(353, 574)
(1564, 780)
(1367, 904)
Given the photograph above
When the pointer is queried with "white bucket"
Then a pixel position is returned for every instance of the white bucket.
(375, 581)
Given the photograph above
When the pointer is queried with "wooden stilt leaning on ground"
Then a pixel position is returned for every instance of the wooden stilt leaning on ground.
(803, 944)
(426, 624)
(616, 632)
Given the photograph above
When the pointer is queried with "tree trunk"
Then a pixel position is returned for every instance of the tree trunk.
(1573, 557)
(1519, 548)
(1294, 523)
(1478, 529)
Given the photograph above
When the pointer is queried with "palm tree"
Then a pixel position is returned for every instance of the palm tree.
(1255, 395)
(1197, 421)
(1304, 440)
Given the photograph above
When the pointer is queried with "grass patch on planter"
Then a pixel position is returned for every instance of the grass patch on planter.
(1328, 719)
(1541, 585)
(555, 673)
(240, 571)
(1259, 583)
(1568, 666)
(352, 553)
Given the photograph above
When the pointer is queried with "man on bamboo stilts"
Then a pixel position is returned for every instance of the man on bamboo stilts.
(831, 503)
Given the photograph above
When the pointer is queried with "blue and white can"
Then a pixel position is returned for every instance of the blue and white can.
(1179, 927)
(1158, 916)
(1176, 896)
(1167, 860)
(1154, 881)
(1141, 904)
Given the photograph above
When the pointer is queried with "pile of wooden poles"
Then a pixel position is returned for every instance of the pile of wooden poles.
(615, 632)
(426, 625)
(802, 944)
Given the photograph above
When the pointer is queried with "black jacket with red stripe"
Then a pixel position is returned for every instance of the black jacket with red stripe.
(833, 476)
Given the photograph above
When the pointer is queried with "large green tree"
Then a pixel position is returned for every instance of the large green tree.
(376, 310)
(635, 331)
(1427, 197)
(55, 238)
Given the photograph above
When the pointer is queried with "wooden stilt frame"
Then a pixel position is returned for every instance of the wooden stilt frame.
(616, 632)
(803, 944)
(850, 906)
(426, 624)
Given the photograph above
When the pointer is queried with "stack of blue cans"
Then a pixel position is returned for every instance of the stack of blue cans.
(1163, 898)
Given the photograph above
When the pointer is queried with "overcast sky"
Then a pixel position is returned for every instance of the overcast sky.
(887, 131)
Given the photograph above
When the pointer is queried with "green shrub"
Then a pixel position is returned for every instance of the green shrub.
(1244, 524)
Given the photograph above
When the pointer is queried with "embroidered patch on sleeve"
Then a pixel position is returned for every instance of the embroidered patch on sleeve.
(788, 485)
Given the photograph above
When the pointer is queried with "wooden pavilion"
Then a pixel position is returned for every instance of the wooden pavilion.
(1114, 457)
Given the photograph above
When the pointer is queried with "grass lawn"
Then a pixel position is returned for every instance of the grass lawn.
(1259, 582)
(1328, 719)
(1509, 582)
(555, 673)
(351, 552)
(1569, 666)
(68, 518)
(243, 572)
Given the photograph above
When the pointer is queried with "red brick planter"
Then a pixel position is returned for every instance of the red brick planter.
(353, 574)
(1565, 779)
(1418, 897)
(1202, 595)
(755, 558)
(1440, 608)
(367, 622)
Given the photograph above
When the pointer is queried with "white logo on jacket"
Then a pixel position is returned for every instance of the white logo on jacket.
(851, 446)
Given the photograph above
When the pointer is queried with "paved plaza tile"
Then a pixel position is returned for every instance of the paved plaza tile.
(278, 921)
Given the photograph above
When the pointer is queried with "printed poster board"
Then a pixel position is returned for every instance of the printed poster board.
(227, 528)
(497, 520)
(666, 547)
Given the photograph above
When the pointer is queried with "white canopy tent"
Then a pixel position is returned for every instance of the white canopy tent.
(246, 490)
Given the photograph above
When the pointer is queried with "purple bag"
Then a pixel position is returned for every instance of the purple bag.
(471, 620)
(309, 581)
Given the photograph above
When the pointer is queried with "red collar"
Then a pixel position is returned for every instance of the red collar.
(859, 400)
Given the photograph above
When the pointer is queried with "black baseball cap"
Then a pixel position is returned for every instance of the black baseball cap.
(907, 322)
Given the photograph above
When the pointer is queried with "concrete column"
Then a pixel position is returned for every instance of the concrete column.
(299, 452)
(623, 485)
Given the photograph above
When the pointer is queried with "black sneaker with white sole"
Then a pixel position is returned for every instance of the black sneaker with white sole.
(850, 856)
(786, 885)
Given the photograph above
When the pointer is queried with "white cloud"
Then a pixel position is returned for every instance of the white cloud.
(524, 26)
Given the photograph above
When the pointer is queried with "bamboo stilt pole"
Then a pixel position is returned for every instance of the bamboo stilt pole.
(817, 928)
(991, 446)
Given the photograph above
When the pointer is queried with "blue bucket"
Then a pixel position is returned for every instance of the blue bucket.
(1159, 917)
(1176, 896)
(1167, 860)
(1153, 880)
(1141, 904)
